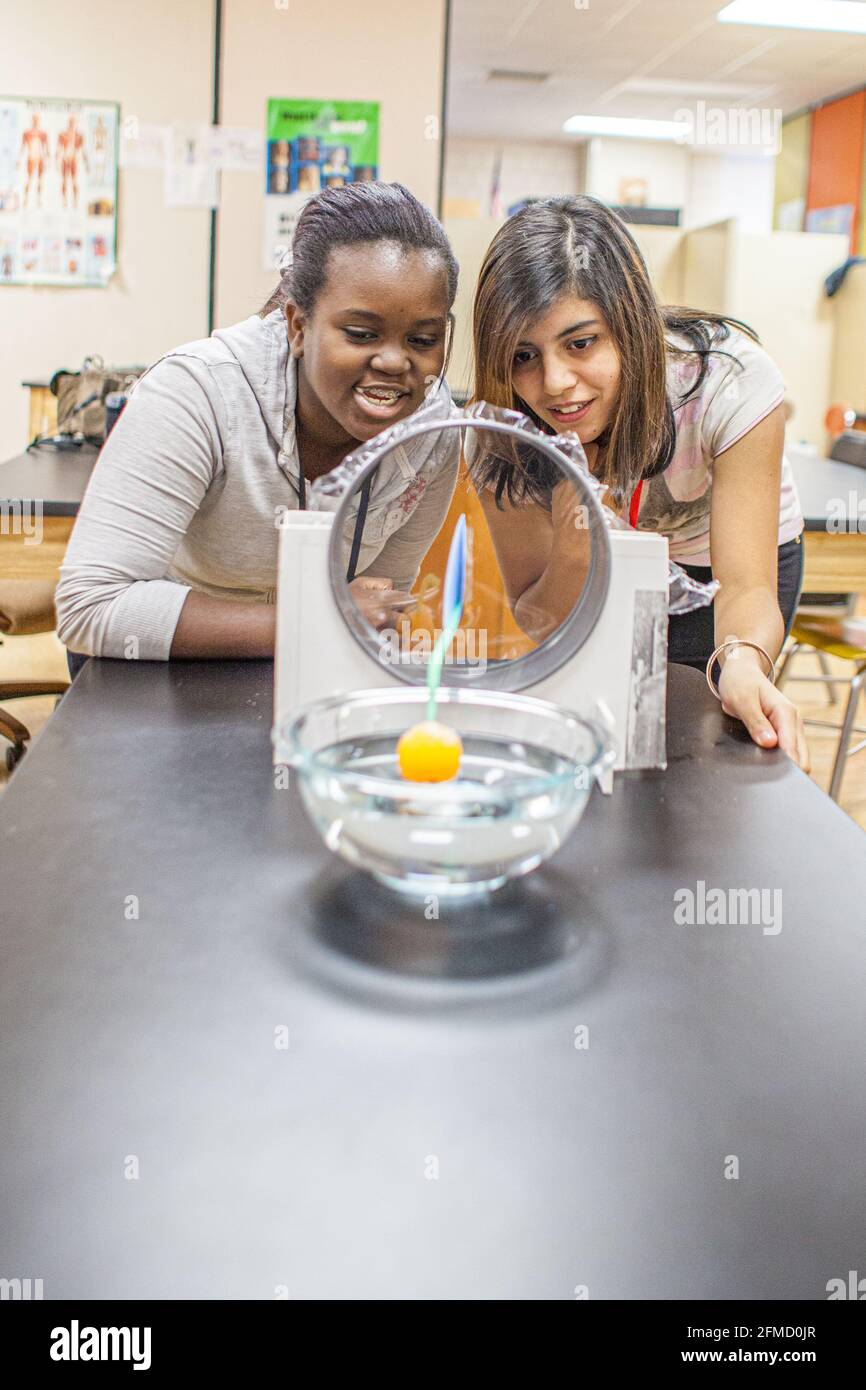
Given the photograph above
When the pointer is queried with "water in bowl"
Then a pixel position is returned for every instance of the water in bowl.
(437, 838)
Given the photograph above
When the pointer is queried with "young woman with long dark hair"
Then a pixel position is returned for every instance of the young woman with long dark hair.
(680, 415)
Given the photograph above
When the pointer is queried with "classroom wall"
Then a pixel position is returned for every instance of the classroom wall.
(705, 266)
(664, 166)
(848, 307)
(162, 71)
(470, 238)
(309, 49)
(792, 174)
(529, 169)
(730, 185)
(156, 60)
(775, 283)
(836, 158)
(664, 252)
(706, 185)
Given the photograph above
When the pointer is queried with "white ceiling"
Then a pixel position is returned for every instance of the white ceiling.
(630, 58)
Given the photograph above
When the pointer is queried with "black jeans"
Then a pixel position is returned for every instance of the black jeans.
(75, 661)
(692, 636)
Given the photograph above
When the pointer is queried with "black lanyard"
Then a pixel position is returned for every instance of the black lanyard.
(359, 522)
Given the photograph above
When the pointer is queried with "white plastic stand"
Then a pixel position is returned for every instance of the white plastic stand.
(619, 672)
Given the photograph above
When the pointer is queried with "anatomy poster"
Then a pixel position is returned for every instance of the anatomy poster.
(58, 191)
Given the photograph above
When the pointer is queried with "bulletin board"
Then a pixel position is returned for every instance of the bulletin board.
(321, 144)
(311, 145)
(58, 191)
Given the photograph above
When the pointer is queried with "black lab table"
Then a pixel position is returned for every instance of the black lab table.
(233, 1067)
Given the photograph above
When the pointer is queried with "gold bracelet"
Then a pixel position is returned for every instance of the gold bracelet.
(738, 642)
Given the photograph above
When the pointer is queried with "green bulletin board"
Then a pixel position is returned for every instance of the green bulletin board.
(320, 144)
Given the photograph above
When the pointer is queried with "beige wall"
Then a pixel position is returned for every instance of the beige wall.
(728, 185)
(792, 167)
(161, 72)
(848, 306)
(664, 252)
(470, 238)
(663, 165)
(706, 184)
(775, 283)
(155, 59)
(314, 49)
(706, 266)
(529, 169)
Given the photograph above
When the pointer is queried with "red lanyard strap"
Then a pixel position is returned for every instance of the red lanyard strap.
(634, 508)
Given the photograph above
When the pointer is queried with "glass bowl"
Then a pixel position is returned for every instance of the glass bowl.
(526, 774)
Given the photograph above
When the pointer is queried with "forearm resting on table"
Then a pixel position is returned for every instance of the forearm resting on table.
(216, 627)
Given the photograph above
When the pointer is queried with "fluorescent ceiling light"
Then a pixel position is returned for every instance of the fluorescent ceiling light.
(631, 128)
(694, 87)
(839, 16)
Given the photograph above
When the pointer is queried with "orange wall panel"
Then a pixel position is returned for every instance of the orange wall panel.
(836, 164)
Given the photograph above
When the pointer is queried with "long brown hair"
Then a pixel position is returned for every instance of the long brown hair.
(576, 245)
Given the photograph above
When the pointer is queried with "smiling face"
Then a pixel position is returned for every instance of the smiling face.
(566, 368)
(374, 338)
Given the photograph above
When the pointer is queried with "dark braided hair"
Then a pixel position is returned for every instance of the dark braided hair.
(356, 213)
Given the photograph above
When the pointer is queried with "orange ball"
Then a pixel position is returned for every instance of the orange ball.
(429, 752)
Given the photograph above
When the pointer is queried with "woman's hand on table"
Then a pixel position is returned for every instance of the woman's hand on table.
(770, 717)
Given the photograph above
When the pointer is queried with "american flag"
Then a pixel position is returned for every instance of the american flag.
(496, 187)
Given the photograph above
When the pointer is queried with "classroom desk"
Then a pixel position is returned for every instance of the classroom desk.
(835, 559)
(167, 911)
(42, 408)
(835, 562)
(53, 481)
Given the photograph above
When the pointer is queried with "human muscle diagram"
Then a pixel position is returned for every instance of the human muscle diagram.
(58, 191)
